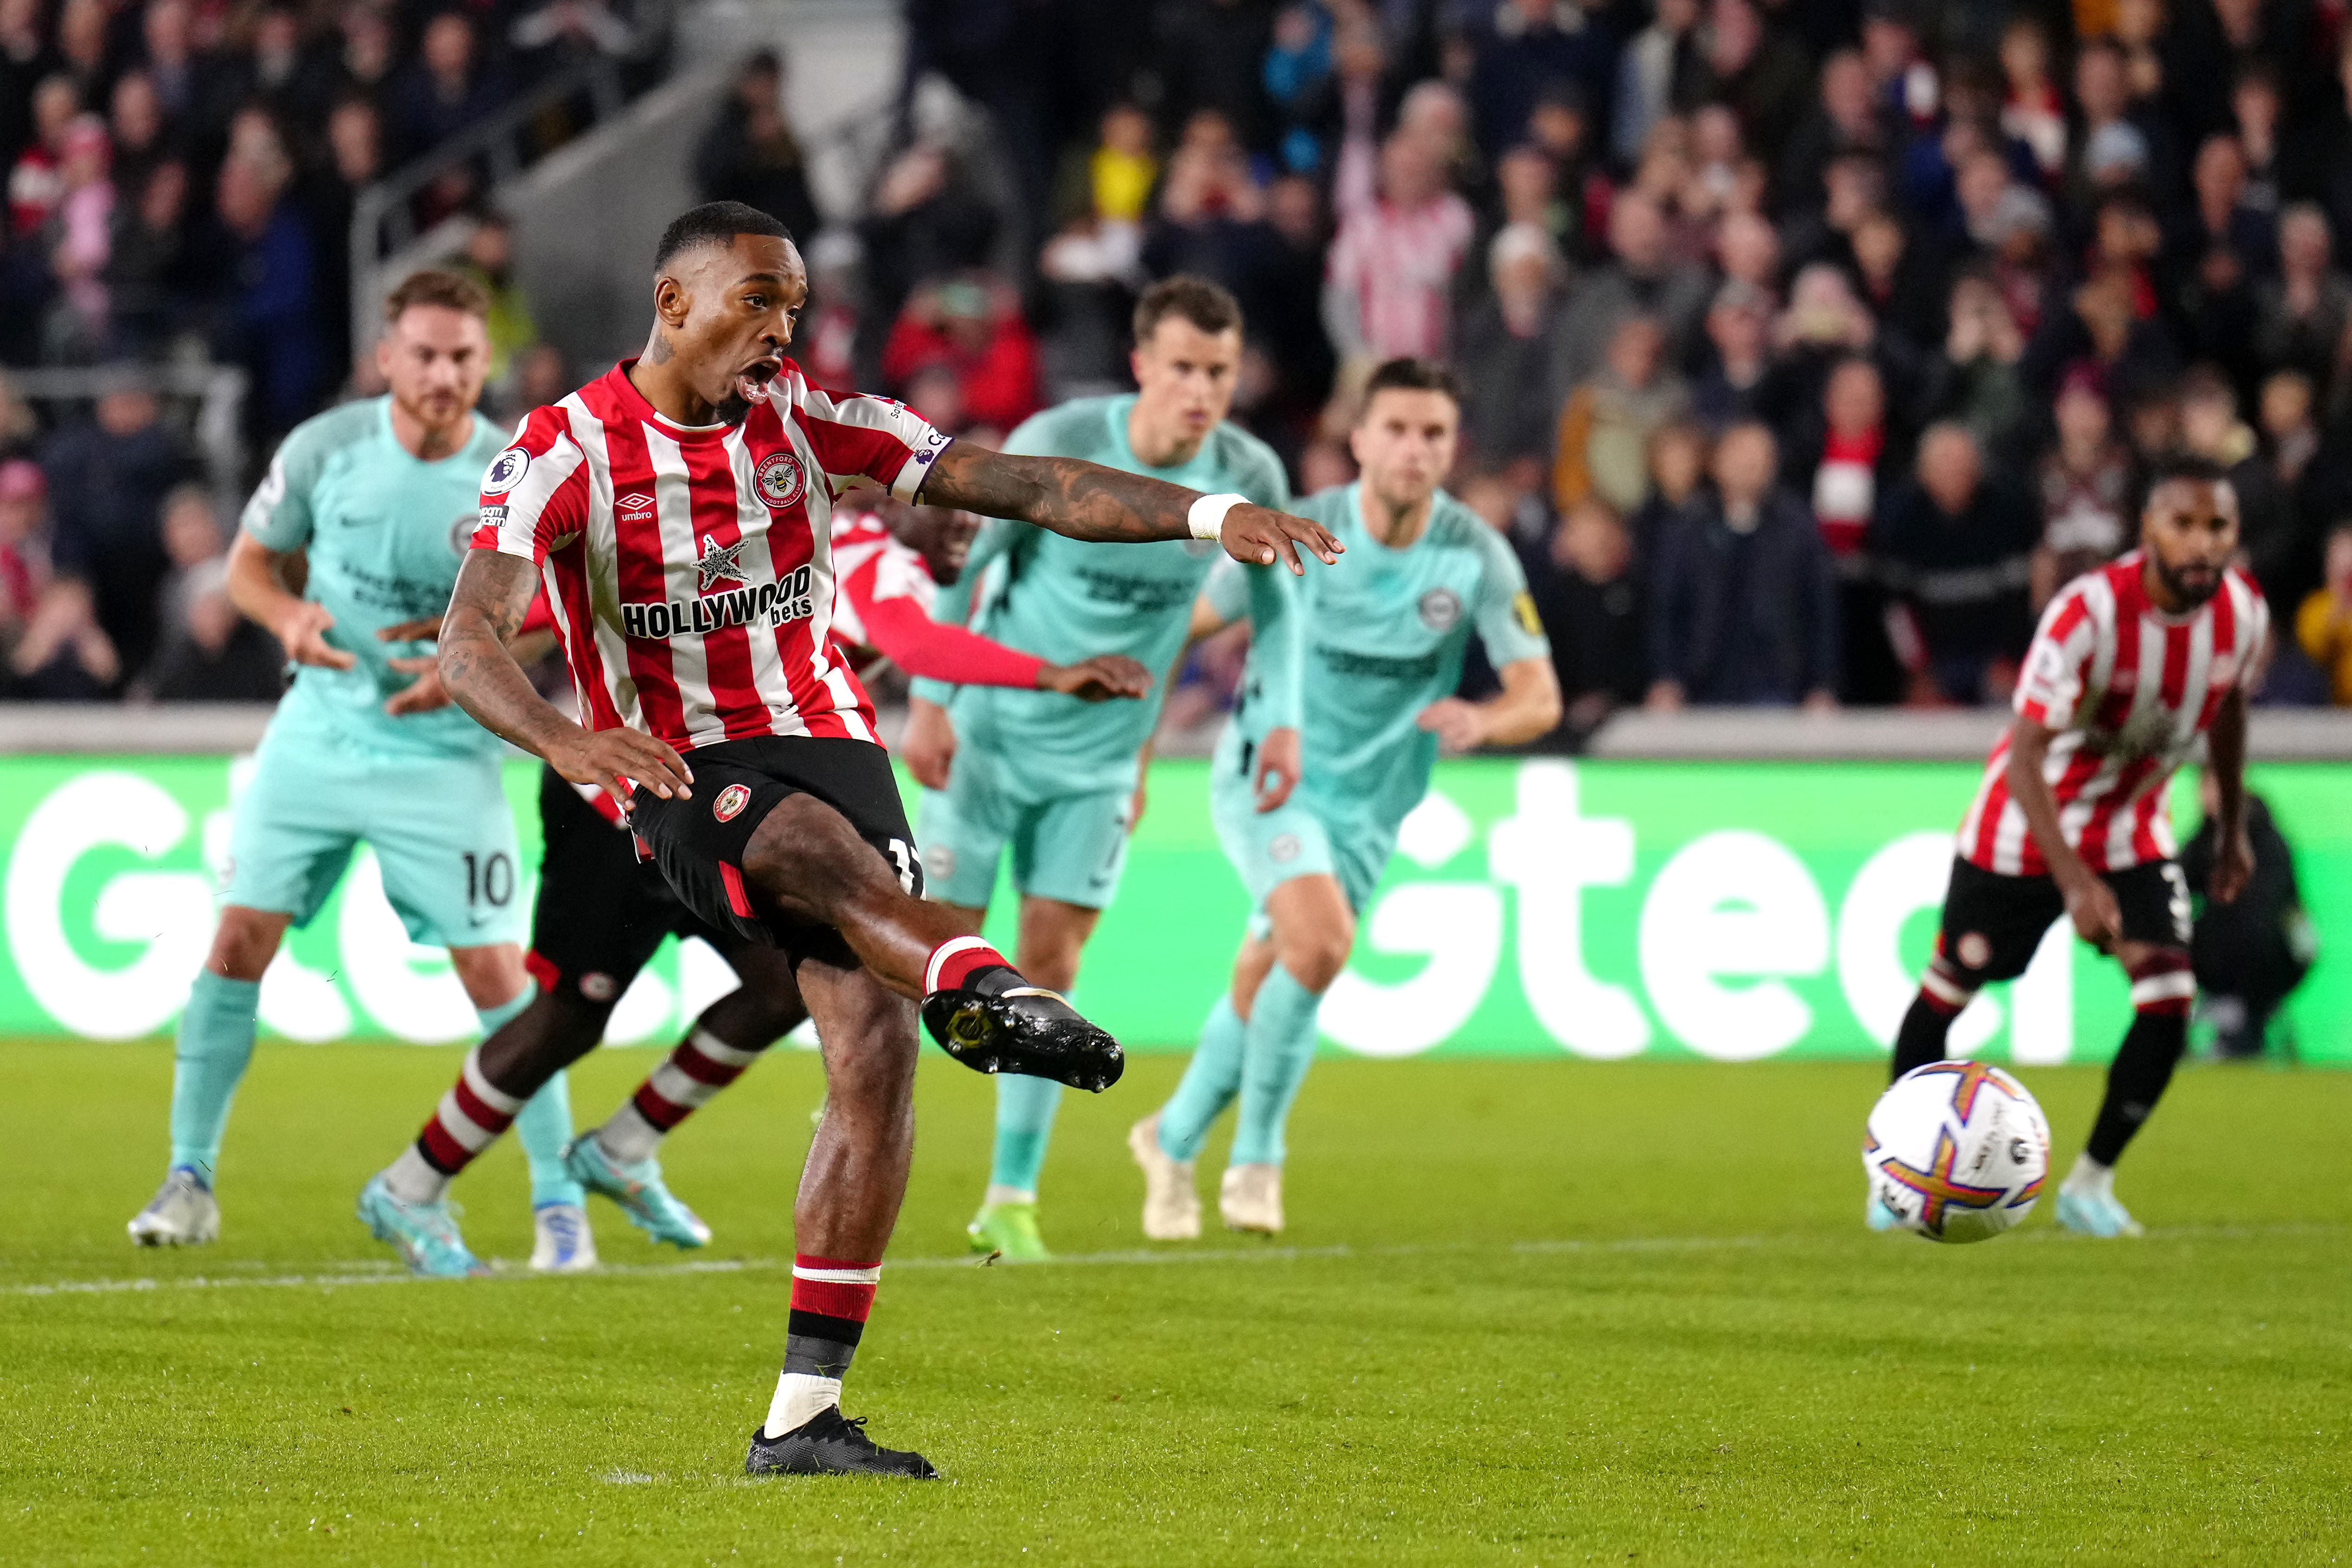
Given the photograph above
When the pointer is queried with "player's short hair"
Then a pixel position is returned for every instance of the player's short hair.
(1409, 375)
(2185, 468)
(1196, 299)
(437, 286)
(714, 223)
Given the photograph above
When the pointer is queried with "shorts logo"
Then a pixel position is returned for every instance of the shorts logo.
(943, 861)
(781, 479)
(598, 986)
(505, 471)
(1974, 951)
(1284, 849)
(730, 802)
(1440, 609)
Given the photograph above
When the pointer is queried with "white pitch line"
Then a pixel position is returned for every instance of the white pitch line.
(388, 1275)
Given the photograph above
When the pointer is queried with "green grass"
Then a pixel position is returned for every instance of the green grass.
(1528, 1313)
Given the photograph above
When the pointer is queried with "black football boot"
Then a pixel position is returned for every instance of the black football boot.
(827, 1445)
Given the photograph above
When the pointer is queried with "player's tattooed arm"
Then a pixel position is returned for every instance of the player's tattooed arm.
(493, 595)
(1086, 500)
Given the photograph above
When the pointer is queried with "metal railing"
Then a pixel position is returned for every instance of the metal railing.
(217, 392)
(384, 218)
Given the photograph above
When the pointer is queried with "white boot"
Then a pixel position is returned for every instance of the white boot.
(1172, 1208)
(1251, 1198)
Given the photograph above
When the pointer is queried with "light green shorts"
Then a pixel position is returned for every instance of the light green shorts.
(442, 835)
(1268, 848)
(1071, 847)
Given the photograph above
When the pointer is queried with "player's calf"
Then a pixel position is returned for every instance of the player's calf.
(1944, 991)
(2162, 989)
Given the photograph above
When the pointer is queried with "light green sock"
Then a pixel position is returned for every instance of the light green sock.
(543, 1125)
(215, 1042)
(1024, 1126)
(1277, 1051)
(1211, 1079)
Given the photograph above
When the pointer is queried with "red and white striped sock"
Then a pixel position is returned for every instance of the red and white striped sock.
(469, 1119)
(701, 1065)
(831, 1299)
(966, 963)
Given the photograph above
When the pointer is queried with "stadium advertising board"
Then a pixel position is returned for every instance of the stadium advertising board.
(1730, 911)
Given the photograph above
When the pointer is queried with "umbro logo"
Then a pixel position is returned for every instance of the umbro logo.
(635, 507)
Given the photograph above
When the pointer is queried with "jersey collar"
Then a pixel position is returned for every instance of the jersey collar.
(618, 381)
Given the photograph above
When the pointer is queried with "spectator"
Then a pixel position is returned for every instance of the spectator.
(1589, 598)
(446, 90)
(1976, 380)
(969, 328)
(572, 30)
(2304, 466)
(2301, 313)
(2267, 529)
(107, 480)
(2250, 954)
(1733, 389)
(1855, 458)
(1678, 457)
(1659, 69)
(1743, 608)
(53, 645)
(1606, 423)
(142, 140)
(2086, 485)
(1529, 47)
(1510, 386)
(254, 262)
(750, 154)
(488, 259)
(2323, 625)
(79, 240)
(208, 651)
(1211, 55)
(923, 222)
(2224, 251)
(1391, 269)
(1846, 126)
(37, 180)
(1762, 73)
(1955, 548)
(1642, 279)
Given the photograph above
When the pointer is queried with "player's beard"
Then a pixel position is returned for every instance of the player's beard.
(2192, 592)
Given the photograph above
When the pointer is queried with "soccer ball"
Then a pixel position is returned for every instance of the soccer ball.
(1958, 1150)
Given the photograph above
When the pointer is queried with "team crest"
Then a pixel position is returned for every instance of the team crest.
(461, 533)
(1284, 849)
(780, 479)
(505, 471)
(943, 861)
(1440, 609)
(1974, 951)
(730, 802)
(598, 986)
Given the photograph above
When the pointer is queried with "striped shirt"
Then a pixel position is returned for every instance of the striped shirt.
(1397, 267)
(2128, 690)
(691, 566)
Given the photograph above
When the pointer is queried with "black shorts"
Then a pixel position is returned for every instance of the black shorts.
(699, 842)
(602, 912)
(1992, 923)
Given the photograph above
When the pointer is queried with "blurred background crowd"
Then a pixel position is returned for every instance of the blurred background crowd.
(1810, 345)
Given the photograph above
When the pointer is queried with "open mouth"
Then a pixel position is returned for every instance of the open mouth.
(751, 381)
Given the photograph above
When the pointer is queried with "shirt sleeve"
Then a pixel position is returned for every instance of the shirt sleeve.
(2058, 661)
(1228, 590)
(278, 514)
(1277, 633)
(862, 437)
(903, 634)
(953, 608)
(2255, 664)
(1505, 614)
(534, 493)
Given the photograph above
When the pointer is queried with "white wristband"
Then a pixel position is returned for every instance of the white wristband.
(1207, 518)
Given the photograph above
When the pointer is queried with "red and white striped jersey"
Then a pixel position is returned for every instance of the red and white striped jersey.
(691, 567)
(872, 567)
(2128, 690)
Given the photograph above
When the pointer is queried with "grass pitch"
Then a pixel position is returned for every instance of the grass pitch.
(1528, 1313)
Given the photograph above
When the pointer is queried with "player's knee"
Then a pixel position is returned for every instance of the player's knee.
(2162, 985)
(244, 942)
(1314, 956)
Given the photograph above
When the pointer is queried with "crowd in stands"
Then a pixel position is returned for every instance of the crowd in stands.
(181, 176)
(1809, 345)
